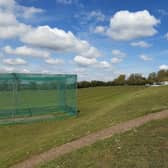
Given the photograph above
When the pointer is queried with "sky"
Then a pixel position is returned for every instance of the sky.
(95, 39)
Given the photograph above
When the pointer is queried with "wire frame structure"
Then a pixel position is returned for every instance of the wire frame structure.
(33, 97)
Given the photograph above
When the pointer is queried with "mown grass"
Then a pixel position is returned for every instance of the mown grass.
(99, 108)
(28, 98)
(144, 147)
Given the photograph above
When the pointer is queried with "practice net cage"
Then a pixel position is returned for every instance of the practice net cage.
(32, 97)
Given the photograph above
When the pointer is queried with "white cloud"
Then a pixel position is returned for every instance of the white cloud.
(13, 69)
(26, 51)
(163, 12)
(145, 57)
(27, 12)
(45, 72)
(7, 4)
(45, 37)
(103, 64)
(80, 70)
(41, 37)
(10, 27)
(118, 53)
(118, 56)
(7, 19)
(20, 11)
(40, 41)
(91, 52)
(125, 25)
(25, 71)
(163, 67)
(116, 60)
(7, 69)
(13, 31)
(141, 44)
(59, 40)
(166, 36)
(53, 61)
(14, 61)
(56, 39)
(85, 61)
(98, 15)
(66, 2)
(99, 29)
(10, 11)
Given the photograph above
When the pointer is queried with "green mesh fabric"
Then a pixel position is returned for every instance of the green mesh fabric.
(32, 97)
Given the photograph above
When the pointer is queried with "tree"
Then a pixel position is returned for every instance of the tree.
(162, 75)
(136, 79)
(84, 84)
(97, 83)
(121, 80)
(152, 78)
(133, 79)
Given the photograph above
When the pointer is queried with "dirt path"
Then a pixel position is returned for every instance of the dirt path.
(89, 139)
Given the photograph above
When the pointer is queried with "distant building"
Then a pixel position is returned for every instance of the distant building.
(154, 84)
(164, 83)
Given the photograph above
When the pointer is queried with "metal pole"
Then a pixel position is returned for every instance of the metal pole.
(15, 95)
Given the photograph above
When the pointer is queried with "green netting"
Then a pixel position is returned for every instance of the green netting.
(32, 97)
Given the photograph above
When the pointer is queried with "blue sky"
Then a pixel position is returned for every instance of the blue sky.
(95, 39)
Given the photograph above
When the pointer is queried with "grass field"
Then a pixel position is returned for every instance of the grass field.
(28, 98)
(28, 105)
(99, 108)
(144, 147)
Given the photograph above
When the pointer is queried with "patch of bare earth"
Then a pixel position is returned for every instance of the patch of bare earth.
(89, 139)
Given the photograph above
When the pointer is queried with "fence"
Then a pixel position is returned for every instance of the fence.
(32, 97)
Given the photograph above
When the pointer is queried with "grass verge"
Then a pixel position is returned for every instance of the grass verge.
(99, 108)
(144, 147)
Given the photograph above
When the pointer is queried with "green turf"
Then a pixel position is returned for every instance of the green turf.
(28, 98)
(99, 108)
(32, 103)
(144, 147)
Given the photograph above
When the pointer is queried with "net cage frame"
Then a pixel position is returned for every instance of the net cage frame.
(36, 97)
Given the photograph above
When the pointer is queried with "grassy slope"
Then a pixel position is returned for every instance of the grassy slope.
(100, 108)
(145, 147)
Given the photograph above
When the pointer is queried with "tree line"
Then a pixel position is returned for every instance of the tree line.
(133, 79)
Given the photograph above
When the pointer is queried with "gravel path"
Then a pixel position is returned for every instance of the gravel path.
(89, 139)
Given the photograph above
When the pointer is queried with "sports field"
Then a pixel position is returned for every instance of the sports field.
(29, 105)
(99, 107)
(142, 147)
(26, 98)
